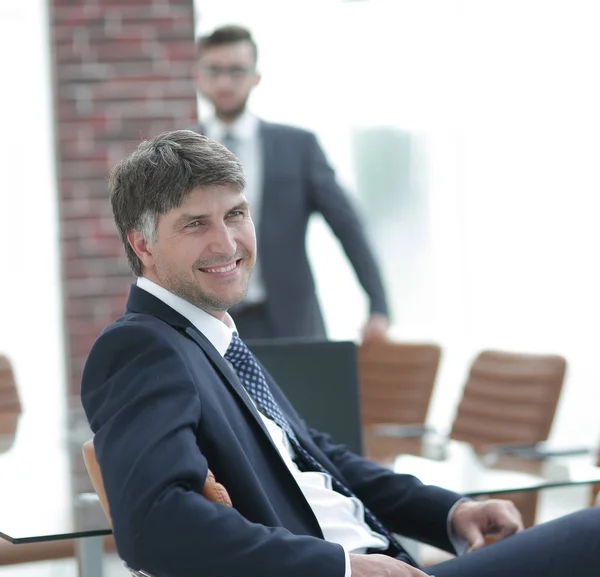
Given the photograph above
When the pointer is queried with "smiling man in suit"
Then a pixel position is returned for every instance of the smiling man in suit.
(170, 389)
(287, 179)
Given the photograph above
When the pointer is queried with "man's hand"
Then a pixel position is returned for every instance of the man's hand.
(375, 328)
(473, 520)
(381, 566)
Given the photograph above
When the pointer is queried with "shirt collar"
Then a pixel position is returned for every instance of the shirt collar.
(244, 128)
(217, 332)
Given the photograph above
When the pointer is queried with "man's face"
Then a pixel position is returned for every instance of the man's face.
(205, 249)
(226, 76)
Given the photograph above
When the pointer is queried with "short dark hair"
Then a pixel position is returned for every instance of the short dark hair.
(159, 175)
(229, 34)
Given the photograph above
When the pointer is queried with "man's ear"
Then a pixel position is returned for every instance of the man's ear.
(141, 247)
(257, 79)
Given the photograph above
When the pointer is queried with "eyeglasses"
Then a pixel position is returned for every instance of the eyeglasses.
(233, 72)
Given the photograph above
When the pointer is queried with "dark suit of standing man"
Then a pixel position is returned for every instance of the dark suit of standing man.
(170, 390)
(289, 179)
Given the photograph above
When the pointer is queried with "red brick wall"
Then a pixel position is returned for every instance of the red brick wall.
(122, 72)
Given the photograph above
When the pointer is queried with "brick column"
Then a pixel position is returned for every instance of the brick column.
(122, 72)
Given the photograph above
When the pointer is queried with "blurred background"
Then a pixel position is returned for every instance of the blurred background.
(465, 130)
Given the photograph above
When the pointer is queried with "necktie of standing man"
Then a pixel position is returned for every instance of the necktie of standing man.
(252, 377)
(230, 142)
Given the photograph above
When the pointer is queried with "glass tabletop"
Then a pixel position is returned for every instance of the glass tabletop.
(45, 492)
(465, 470)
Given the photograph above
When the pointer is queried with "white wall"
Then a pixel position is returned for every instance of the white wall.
(502, 100)
(30, 302)
(528, 189)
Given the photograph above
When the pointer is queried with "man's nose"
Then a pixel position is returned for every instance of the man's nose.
(223, 80)
(222, 241)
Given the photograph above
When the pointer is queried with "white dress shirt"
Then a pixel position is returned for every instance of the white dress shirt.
(246, 135)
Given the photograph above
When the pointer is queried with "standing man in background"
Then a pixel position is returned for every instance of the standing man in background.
(288, 179)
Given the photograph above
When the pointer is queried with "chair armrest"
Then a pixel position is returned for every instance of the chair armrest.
(413, 431)
(538, 451)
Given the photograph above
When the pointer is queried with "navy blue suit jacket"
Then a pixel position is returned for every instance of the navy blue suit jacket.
(297, 182)
(164, 406)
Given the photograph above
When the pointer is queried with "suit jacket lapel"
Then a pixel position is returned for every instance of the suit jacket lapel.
(233, 382)
(228, 373)
(269, 161)
(231, 379)
(141, 301)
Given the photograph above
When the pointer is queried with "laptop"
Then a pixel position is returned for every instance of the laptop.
(320, 379)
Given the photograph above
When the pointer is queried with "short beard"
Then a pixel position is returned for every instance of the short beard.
(190, 291)
(231, 114)
(196, 296)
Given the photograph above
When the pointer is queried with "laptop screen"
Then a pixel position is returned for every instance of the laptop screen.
(320, 379)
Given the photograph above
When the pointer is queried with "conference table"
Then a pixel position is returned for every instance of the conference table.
(45, 494)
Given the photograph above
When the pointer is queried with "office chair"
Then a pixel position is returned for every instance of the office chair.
(10, 406)
(9, 397)
(508, 399)
(396, 382)
(212, 490)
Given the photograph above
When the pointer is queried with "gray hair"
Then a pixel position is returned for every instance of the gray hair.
(159, 175)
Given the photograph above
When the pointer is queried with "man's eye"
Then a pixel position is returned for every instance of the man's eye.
(194, 224)
(235, 213)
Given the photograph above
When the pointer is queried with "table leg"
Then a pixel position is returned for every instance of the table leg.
(90, 552)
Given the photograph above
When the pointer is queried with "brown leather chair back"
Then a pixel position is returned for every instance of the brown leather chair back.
(93, 469)
(9, 398)
(212, 490)
(10, 406)
(509, 398)
(396, 382)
